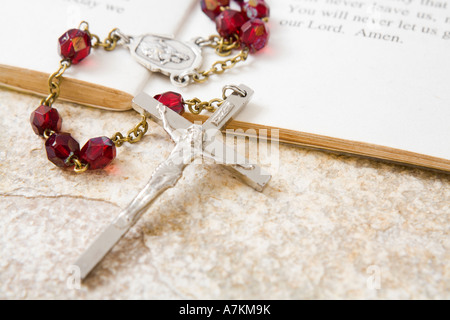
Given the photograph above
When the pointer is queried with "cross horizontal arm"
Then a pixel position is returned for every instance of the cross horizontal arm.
(240, 166)
(145, 104)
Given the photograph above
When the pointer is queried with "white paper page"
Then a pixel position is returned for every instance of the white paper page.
(393, 92)
(30, 30)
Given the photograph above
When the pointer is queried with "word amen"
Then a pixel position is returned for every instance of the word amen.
(227, 309)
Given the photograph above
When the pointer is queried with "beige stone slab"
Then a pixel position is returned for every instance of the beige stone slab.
(324, 226)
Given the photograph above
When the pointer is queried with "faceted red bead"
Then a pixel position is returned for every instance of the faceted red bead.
(98, 152)
(172, 100)
(74, 45)
(229, 23)
(256, 9)
(212, 7)
(61, 147)
(255, 35)
(45, 117)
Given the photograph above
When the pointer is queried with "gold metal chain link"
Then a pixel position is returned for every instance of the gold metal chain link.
(134, 135)
(54, 83)
(110, 42)
(224, 48)
(196, 106)
(220, 67)
(80, 167)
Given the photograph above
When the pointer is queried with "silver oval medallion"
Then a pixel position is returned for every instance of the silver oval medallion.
(166, 55)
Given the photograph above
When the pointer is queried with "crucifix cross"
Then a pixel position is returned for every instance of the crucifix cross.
(191, 142)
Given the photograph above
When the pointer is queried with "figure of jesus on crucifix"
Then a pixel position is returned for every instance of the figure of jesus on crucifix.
(191, 141)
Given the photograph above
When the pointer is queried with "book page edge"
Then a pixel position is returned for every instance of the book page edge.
(342, 146)
(98, 96)
(72, 90)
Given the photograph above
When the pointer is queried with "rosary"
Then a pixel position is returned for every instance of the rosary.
(243, 30)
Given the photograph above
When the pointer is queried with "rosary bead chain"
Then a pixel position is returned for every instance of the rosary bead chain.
(110, 42)
(220, 67)
(61, 148)
(54, 83)
(243, 30)
(64, 151)
(134, 135)
(196, 106)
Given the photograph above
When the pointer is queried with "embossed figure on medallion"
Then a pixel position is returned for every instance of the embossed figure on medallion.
(168, 56)
(162, 52)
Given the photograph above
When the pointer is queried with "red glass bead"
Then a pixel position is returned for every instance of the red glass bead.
(61, 147)
(74, 45)
(212, 7)
(98, 152)
(256, 9)
(45, 117)
(229, 23)
(255, 35)
(172, 100)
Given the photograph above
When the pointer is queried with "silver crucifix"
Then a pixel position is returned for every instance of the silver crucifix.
(191, 141)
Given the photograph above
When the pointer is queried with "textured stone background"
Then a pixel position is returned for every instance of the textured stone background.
(325, 227)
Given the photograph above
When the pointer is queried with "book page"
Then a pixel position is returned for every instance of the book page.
(369, 71)
(30, 31)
